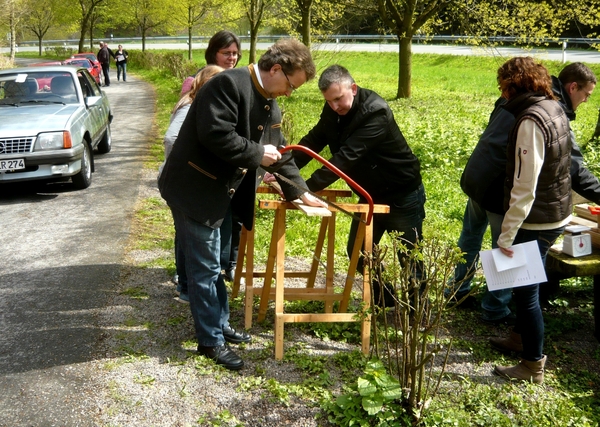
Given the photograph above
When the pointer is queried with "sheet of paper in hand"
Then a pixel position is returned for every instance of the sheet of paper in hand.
(524, 268)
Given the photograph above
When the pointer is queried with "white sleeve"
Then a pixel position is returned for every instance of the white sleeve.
(171, 135)
(529, 158)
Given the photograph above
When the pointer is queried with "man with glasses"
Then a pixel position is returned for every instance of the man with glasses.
(366, 143)
(233, 127)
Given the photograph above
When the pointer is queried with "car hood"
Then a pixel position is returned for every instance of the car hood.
(33, 119)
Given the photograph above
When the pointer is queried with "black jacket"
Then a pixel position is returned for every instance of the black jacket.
(367, 145)
(215, 158)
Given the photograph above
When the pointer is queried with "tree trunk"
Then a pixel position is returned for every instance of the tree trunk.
(253, 40)
(190, 42)
(143, 40)
(91, 38)
(405, 66)
(306, 26)
(40, 45)
(82, 35)
(190, 29)
(13, 41)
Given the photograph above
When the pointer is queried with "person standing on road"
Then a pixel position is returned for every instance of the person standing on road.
(104, 58)
(121, 59)
(233, 127)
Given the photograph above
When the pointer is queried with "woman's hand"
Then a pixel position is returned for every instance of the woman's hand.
(507, 251)
(311, 200)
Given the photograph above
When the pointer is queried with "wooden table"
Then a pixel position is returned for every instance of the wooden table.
(275, 267)
(560, 266)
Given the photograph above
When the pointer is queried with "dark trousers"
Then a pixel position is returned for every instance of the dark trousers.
(105, 68)
(530, 322)
(406, 216)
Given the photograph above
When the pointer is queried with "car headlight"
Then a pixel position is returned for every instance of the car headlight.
(53, 141)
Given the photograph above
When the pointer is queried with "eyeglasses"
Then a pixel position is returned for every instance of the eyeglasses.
(229, 53)
(289, 82)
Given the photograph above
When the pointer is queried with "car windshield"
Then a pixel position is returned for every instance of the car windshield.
(37, 87)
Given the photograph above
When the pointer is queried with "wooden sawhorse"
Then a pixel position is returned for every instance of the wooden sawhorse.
(246, 257)
(364, 240)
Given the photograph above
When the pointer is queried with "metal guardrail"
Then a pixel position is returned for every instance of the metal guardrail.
(334, 38)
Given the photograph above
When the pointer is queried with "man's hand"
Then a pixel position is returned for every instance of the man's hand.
(271, 155)
(269, 177)
(507, 251)
(311, 200)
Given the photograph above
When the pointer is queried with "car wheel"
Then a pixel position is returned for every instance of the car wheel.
(106, 142)
(84, 178)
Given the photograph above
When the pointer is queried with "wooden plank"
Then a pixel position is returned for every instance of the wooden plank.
(328, 192)
(350, 207)
(582, 211)
(317, 317)
(311, 210)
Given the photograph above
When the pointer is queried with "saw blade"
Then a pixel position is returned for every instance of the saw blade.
(337, 207)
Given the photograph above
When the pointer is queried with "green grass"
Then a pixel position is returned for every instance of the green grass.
(451, 100)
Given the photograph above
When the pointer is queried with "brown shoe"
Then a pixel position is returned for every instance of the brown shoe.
(525, 371)
(508, 345)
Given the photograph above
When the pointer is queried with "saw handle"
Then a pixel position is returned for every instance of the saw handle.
(594, 210)
(335, 170)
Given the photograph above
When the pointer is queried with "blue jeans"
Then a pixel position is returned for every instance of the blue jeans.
(182, 281)
(209, 302)
(494, 304)
(406, 216)
(530, 322)
(122, 66)
(475, 223)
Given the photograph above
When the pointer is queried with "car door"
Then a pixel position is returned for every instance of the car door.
(98, 112)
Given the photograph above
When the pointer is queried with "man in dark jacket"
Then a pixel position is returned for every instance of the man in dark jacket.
(104, 55)
(483, 180)
(233, 127)
(366, 143)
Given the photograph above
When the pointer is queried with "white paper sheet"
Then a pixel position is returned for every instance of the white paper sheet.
(524, 268)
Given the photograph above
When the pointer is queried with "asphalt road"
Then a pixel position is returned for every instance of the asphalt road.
(61, 252)
(548, 53)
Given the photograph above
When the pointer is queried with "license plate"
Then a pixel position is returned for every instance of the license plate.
(9, 165)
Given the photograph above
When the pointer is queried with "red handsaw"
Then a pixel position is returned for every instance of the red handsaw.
(335, 170)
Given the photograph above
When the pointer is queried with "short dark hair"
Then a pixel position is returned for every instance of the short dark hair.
(291, 55)
(577, 72)
(219, 41)
(334, 74)
(522, 75)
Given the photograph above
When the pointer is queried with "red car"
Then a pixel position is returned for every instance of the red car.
(89, 55)
(94, 70)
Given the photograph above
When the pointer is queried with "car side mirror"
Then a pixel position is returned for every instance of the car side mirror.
(92, 101)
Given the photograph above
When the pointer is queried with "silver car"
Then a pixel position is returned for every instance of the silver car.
(52, 119)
